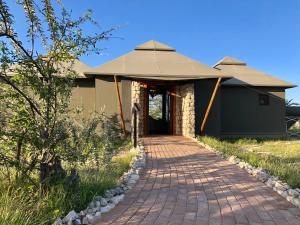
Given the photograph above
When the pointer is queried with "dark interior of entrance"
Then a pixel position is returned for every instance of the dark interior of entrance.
(159, 111)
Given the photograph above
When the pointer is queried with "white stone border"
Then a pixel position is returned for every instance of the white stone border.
(111, 197)
(282, 188)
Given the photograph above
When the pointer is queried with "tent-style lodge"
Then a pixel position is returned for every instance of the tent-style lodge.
(229, 99)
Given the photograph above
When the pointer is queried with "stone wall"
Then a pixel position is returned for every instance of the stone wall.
(185, 110)
(137, 96)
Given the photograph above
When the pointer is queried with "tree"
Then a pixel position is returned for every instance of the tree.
(155, 107)
(36, 78)
(291, 103)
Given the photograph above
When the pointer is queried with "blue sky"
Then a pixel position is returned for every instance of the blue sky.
(264, 33)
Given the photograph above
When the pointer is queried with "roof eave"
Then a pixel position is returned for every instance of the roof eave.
(193, 76)
(263, 85)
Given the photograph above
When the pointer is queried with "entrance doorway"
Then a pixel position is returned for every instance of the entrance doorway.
(160, 111)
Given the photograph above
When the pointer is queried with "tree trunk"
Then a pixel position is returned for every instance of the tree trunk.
(44, 173)
(51, 172)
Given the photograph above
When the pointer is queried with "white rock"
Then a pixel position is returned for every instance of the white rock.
(82, 213)
(134, 177)
(58, 222)
(242, 164)
(297, 202)
(103, 202)
(232, 159)
(90, 218)
(107, 208)
(108, 194)
(76, 222)
(281, 186)
(96, 217)
(270, 182)
(98, 204)
(249, 170)
(85, 220)
(293, 193)
(117, 199)
(118, 190)
(290, 198)
(263, 176)
(93, 210)
(92, 204)
(72, 215)
(282, 193)
(97, 198)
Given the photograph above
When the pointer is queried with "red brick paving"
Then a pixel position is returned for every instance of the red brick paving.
(184, 183)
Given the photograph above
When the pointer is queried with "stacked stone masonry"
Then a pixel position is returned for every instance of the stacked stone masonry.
(185, 110)
(137, 96)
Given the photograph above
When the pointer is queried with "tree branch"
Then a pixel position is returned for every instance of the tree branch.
(9, 82)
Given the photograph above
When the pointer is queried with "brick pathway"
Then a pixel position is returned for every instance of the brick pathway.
(187, 184)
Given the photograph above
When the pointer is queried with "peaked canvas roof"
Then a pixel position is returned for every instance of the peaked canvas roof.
(155, 46)
(80, 67)
(154, 60)
(245, 75)
(230, 61)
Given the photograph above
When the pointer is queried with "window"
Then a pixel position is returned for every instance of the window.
(263, 99)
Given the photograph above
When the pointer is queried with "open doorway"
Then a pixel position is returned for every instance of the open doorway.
(160, 110)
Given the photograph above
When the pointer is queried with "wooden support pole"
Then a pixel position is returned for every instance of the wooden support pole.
(120, 105)
(210, 104)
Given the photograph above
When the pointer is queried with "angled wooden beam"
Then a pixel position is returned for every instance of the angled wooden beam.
(210, 105)
(120, 105)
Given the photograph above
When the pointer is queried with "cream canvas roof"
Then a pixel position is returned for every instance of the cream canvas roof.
(245, 75)
(154, 60)
(80, 67)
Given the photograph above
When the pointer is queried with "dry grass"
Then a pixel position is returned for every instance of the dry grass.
(21, 204)
(279, 157)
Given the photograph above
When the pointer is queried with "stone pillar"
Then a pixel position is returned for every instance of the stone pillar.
(178, 115)
(137, 96)
(185, 110)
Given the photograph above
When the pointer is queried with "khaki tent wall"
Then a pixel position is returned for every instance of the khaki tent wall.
(243, 116)
(100, 94)
(106, 96)
(107, 99)
(203, 92)
(83, 96)
(126, 102)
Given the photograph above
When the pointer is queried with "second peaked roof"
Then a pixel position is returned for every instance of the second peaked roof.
(245, 75)
(154, 60)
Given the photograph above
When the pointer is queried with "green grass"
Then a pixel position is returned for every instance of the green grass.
(23, 205)
(279, 157)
